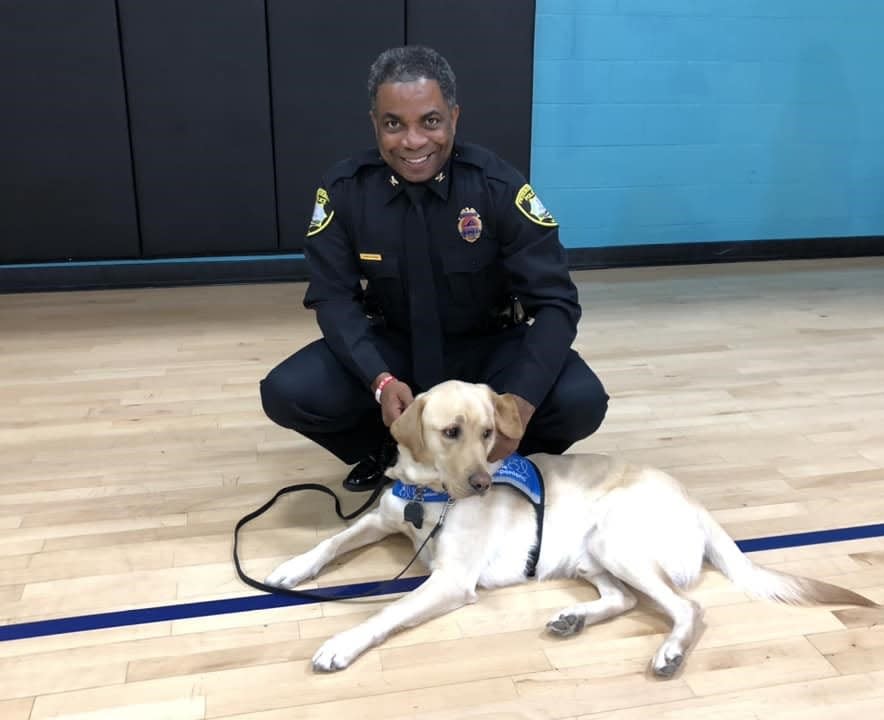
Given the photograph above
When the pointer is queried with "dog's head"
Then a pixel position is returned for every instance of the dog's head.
(445, 436)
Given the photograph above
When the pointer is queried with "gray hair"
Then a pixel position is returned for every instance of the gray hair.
(410, 63)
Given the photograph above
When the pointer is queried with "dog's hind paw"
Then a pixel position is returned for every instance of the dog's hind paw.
(565, 625)
(666, 667)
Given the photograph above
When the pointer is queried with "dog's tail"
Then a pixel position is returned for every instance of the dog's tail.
(724, 554)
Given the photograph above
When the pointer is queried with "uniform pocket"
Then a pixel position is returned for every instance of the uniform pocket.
(474, 276)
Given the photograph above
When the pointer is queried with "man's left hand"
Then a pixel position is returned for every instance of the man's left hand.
(505, 446)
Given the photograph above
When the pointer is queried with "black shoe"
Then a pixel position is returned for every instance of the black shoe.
(368, 473)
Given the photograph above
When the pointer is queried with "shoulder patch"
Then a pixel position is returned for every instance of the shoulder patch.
(531, 207)
(322, 215)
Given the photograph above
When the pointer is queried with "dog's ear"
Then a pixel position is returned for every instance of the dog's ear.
(506, 416)
(408, 430)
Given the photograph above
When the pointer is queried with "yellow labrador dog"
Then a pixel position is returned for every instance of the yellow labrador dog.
(620, 527)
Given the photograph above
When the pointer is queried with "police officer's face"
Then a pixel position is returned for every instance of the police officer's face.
(414, 128)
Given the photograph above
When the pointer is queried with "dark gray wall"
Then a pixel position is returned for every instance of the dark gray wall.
(199, 107)
(65, 163)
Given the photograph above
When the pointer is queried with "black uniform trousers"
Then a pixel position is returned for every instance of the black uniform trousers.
(312, 393)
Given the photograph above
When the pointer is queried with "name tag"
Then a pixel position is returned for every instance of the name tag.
(374, 257)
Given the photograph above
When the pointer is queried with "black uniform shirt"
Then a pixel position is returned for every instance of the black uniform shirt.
(490, 237)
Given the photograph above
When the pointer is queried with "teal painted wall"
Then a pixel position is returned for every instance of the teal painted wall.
(669, 121)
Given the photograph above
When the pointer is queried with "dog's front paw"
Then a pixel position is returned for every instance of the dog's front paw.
(338, 652)
(292, 572)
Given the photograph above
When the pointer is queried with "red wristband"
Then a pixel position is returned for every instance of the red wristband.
(381, 385)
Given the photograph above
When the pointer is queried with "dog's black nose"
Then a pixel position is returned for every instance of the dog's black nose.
(480, 481)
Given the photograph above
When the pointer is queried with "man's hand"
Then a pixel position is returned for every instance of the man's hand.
(395, 397)
(505, 446)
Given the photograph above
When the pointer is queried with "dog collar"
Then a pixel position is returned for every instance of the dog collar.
(515, 471)
(412, 492)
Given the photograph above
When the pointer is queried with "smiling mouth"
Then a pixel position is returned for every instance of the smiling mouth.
(417, 161)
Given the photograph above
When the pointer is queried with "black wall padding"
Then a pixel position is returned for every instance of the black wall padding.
(199, 101)
(65, 172)
(490, 45)
(320, 56)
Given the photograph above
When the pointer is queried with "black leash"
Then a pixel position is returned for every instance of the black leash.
(371, 590)
(377, 588)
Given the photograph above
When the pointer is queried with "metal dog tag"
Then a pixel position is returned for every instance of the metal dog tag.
(414, 513)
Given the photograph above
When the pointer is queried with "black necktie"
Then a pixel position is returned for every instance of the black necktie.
(426, 331)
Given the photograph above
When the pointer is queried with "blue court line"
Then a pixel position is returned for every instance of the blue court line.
(816, 537)
(166, 613)
(185, 611)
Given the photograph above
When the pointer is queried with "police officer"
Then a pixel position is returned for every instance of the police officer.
(431, 260)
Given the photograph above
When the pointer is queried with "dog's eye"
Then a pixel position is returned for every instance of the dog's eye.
(452, 433)
(486, 433)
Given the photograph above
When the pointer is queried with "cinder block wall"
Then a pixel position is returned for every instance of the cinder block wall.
(669, 121)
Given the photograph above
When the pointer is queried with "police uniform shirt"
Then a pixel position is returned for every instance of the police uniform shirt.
(490, 238)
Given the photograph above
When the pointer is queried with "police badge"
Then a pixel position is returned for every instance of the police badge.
(469, 224)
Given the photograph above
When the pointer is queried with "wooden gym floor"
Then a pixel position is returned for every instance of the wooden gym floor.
(132, 439)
